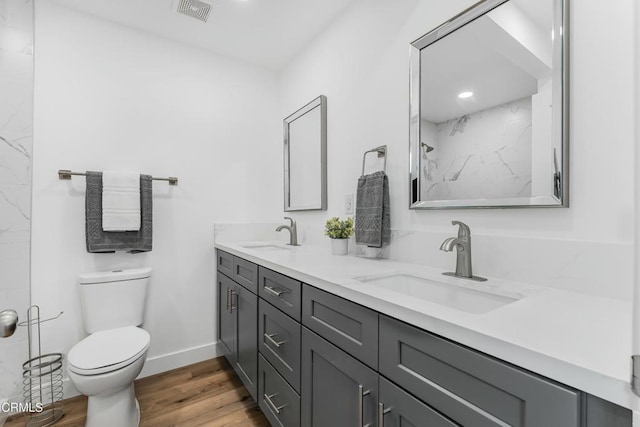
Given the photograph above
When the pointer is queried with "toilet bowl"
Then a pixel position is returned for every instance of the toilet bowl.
(104, 365)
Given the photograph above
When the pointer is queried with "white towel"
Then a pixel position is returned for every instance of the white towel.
(120, 201)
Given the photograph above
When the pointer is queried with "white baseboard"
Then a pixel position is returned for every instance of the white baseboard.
(166, 362)
(163, 363)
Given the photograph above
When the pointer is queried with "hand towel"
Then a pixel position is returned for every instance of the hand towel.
(120, 201)
(373, 219)
(97, 239)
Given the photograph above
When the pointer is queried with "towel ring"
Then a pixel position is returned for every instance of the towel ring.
(382, 152)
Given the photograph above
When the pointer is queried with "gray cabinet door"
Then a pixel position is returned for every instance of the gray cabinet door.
(281, 291)
(469, 387)
(397, 408)
(350, 326)
(600, 413)
(226, 321)
(245, 273)
(337, 390)
(244, 305)
(224, 262)
(279, 338)
(279, 402)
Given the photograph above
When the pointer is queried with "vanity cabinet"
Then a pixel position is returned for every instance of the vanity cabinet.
(238, 330)
(310, 358)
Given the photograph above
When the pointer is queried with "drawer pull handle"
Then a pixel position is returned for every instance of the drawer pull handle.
(273, 405)
(273, 291)
(274, 342)
(381, 413)
(231, 306)
(361, 394)
(228, 289)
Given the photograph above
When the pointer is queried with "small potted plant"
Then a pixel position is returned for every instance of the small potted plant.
(339, 231)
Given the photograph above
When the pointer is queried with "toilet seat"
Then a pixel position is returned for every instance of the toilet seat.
(108, 351)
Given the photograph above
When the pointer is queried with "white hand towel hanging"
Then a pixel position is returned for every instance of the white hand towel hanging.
(120, 201)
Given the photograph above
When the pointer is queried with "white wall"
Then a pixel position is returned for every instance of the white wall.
(108, 97)
(16, 132)
(361, 64)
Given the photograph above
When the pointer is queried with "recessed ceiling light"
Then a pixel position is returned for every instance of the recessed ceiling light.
(465, 95)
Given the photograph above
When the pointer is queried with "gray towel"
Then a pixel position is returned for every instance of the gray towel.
(111, 241)
(373, 218)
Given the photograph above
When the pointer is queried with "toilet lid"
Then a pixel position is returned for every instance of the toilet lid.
(109, 350)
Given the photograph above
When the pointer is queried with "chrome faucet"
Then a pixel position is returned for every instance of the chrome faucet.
(293, 231)
(462, 243)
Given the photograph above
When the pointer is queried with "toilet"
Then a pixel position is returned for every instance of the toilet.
(104, 365)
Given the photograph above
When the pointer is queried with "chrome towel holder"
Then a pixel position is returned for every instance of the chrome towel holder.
(66, 174)
(382, 152)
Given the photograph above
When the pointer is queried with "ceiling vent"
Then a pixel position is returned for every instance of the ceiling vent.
(195, 9)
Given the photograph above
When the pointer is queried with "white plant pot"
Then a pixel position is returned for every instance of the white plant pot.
(339, 246)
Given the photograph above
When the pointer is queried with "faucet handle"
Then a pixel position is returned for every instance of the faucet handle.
(464, 230)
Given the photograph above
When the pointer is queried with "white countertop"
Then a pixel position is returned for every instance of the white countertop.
(576, 339)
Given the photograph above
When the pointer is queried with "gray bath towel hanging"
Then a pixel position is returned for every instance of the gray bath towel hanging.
(99, 241)
(373, 216)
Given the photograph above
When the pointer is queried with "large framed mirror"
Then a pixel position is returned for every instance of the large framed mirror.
(489, 108)
(305, 157)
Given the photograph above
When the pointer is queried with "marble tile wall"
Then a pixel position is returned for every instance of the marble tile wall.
(16, 135)
(481, 155)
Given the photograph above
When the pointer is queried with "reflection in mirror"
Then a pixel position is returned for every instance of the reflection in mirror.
(488, 116)
(305, 157)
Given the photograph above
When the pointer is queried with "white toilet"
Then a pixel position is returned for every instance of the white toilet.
(104, 365)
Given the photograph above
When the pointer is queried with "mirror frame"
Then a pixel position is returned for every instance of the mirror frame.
(321, 102)
(560, 113)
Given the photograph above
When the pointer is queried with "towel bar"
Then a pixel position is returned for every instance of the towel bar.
(382, 152)
(66, 174)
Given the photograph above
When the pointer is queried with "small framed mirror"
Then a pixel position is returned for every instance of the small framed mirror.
(305, 157)
(489, 108)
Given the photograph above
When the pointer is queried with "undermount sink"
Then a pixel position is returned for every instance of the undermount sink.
(265, 247)
(474, 299)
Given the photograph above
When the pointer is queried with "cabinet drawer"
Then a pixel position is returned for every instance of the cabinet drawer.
(349, 326)
(246, 274)
(281, 291)
(279, 402)
(398, 408)
(470, 388)
(224, 263)
(279, 338)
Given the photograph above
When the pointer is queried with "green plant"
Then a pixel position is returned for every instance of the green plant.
(337, 229)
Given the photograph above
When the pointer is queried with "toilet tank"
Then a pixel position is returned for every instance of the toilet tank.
(114, 299)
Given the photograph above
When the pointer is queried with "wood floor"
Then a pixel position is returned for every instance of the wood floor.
(205, 394)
